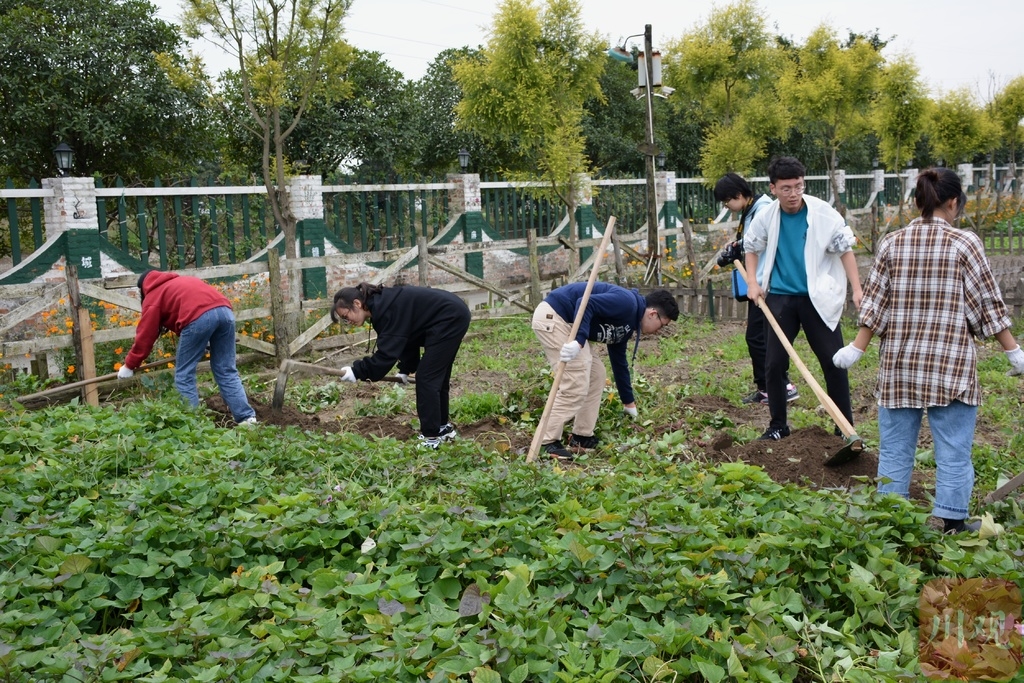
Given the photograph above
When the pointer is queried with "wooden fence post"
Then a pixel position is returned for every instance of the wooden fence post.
(277, 311)
(531, 247)
(81, 336)
(421, 260)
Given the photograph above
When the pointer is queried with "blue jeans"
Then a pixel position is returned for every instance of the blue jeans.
(952, 429)
(216, 329)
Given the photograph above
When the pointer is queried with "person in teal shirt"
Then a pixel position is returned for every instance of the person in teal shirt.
(806, 251)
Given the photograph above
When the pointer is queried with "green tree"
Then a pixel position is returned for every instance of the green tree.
(528, 90)
(105, 76)
(290, 57)
(613, 123)
(959, 128)
(373, 130)
(899, 115)
(829, 88)
(437, 95)
(724, 71)
(1009, 113)
(899, 111)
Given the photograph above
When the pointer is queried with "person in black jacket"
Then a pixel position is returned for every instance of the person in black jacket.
(613, 316)
(406, 319)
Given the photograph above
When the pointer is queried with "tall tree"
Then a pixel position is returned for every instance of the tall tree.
(528, 90)
(899, 111)
(899, 115)
(959, 128)
(105, 76)
(1009, 114)
(724, 71)
(290, 55)
(829, 88)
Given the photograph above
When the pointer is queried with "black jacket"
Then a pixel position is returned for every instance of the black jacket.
(407, 319)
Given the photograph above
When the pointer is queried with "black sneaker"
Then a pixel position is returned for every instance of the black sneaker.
(791, 393)
(447, 432)
(774, 434)
(959, 526)
(577, 441)
(556, 450)
(757, 397)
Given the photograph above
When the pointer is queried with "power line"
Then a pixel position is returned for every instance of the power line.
(441, 4)
(384, 35)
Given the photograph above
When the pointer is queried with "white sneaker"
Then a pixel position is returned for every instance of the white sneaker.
(447, 432)
(248, 422)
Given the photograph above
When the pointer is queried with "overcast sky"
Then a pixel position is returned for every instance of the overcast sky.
(954, 42)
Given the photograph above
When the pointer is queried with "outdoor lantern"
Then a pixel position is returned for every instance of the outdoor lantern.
(463, 159)
(64, 155)
(874, 163)
(661, 161)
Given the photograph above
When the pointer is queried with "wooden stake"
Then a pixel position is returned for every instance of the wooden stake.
(81, 335)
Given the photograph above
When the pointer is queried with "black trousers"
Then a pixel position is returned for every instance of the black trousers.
(434, 376)
(793, 313)
(757, 344)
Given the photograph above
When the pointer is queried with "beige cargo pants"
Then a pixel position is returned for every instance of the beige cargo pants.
(583, 380)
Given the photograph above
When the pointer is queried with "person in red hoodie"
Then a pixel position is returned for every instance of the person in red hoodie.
(201, 317)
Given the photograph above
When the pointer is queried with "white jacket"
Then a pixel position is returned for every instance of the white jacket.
(828, 238)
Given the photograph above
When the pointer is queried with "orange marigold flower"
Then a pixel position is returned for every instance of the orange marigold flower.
(117, 366)
(170, 365)
(71, 368)
(119, 350)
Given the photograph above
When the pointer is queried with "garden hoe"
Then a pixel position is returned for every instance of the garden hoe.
(854, 444)
(288, 366)
(46, 394)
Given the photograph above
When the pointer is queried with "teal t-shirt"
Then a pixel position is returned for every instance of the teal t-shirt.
(789, 274)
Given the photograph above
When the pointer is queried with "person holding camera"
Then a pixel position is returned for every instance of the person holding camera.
(736, 195)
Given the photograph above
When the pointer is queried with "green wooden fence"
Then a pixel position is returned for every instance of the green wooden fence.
(196, 223)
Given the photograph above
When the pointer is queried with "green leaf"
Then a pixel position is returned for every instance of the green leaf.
(519, 674)
(75, 564)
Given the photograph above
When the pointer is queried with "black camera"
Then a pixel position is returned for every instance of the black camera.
(730, 252)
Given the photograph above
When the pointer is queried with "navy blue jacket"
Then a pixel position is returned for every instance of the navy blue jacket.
(612, 316)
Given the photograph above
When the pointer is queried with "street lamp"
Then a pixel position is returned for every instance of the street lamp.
(64, 156)
(463, 159)
(662, 158)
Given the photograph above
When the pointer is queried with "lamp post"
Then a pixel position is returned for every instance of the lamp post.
(64, 156)
(463, 160)
(662, 158)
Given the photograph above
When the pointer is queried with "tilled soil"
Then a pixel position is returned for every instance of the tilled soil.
(798, 459)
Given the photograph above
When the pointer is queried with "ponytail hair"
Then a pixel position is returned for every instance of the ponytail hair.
(935, 187)
(346, 296)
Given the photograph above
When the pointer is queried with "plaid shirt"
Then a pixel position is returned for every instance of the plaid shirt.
(929, 292)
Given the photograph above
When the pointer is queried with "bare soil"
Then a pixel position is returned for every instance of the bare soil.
(798, 459)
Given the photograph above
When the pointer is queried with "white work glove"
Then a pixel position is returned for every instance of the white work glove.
(569, 351)
(349, 376)
(125, 372)
(404, 377)
(846, 356)
(1016, 358)
(631, 411)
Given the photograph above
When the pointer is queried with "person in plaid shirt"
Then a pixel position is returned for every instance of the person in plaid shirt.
(929, 293)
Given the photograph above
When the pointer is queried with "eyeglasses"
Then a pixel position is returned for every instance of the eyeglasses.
(789, 190)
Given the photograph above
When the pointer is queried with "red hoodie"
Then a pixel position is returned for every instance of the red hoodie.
(171, 302)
